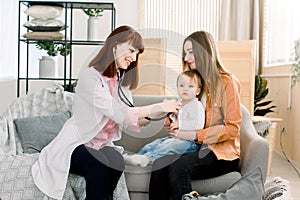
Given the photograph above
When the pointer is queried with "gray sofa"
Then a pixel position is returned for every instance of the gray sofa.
(52, 100)
(254, 153)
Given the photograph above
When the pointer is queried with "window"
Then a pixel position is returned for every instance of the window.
(281, 30)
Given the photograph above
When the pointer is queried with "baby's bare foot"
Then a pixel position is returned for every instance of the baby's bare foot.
(136, 160)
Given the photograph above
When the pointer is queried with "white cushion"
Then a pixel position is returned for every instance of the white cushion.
(44, 12)
(44, 22)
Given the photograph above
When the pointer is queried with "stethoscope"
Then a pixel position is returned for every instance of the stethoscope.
(121, 93)
(127, 102)
(123, 96)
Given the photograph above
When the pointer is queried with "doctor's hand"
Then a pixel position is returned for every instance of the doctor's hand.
(171, 105)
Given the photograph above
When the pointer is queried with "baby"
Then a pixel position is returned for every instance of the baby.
(190, 117)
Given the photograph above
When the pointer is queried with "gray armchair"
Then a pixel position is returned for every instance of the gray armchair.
(254, 153)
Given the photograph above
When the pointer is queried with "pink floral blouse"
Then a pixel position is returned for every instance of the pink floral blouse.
(110, 131)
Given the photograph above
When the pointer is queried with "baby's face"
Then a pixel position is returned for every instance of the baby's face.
(187, 88)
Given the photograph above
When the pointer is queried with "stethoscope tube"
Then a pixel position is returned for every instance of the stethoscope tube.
(121, 94)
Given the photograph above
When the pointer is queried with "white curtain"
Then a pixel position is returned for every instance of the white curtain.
(239, 20)
(9, 38)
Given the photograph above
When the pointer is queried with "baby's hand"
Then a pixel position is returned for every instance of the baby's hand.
(174, 126)
(167, 122)
(173, 132)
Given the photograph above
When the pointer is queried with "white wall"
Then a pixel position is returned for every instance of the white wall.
(8, 52)
(126, 14)
(9, 36)
(8, 92)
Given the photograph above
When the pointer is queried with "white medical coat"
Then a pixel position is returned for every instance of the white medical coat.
(93, 107)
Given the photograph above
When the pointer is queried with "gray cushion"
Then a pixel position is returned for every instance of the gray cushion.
(217, 184)
(36, 132)
(248, 187)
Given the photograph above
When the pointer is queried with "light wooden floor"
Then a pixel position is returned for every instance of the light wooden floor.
(282, 168)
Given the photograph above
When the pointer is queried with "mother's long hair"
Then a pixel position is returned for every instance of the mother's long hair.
(104, 61)
(207, 60)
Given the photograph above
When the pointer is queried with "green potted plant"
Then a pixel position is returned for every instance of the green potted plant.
(296, 66)
(53, 49)
(93, 22)
(261, 91)
(70, 87)
(94, 12)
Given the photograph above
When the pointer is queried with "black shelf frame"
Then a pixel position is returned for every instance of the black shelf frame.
(68, 7)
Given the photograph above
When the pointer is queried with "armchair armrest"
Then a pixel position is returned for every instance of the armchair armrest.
(254, 148)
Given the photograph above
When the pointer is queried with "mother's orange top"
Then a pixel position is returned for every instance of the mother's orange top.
(223, 120)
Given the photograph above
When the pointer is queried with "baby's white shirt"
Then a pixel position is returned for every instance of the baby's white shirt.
(192, 116)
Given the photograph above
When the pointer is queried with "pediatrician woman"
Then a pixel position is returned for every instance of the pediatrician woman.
(102, 108)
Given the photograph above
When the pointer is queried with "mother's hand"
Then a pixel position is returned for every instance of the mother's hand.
(181, 134)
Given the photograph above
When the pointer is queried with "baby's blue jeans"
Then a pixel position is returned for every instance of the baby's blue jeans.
(167, 146)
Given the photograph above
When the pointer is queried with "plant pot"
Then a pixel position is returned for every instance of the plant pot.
(47, 67)
(93, 28)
